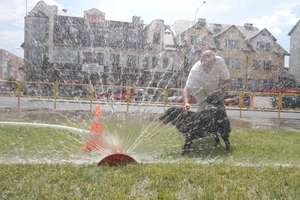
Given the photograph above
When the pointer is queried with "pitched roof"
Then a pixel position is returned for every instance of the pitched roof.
(249, 33)
(280, 50)
(9, 55)
(290, 33)
(227, 29)
(259, 32)
(94, 11)
(181, 26)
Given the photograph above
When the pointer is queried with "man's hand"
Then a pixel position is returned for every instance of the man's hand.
(187, 106)
(225, 85)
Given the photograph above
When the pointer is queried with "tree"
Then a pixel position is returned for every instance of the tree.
(286, 79)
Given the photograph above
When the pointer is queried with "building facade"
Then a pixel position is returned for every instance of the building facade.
(11, 66)
(92, 48)
(294, 64)
(253, 56)
(113, 52)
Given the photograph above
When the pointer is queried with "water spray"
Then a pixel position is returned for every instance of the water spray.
(99, 141)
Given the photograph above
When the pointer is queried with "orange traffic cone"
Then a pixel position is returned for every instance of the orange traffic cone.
(96, 126)
(96, 141)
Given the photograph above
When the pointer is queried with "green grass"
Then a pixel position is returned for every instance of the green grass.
(266, 146)
(183, 179)
(156, 181)
(249, 146)
(37, 143)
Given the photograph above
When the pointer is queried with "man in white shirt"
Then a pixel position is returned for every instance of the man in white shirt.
(208, 76)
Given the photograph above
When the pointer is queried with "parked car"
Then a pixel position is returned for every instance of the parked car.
(233, 100)
(120, 95)
(140, 95)
(179, 99)
(103, 95)
(287, 101)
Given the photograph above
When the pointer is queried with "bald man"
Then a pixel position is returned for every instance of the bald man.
(208, 76)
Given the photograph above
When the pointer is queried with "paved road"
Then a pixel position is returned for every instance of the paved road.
(35, 104)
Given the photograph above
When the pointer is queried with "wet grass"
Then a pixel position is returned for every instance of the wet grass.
(160, 142)
(22, 142)
(183, 179)
(249, 146)
(148, 181)
(253, 147)
(266, 146)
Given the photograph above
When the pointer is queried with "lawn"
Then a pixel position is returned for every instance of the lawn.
(148, 181)
(250, 171)
(151, 142)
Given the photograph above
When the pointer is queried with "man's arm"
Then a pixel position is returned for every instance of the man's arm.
(190, 83)
(186, 98)
(225, 77)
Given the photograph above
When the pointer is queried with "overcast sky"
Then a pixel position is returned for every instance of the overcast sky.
(277, 16)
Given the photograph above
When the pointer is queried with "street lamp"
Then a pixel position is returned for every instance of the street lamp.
(203, 2)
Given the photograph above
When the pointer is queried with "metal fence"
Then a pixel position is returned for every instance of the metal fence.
(242, 100)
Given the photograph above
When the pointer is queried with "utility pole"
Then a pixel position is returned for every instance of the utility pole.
(26, 8)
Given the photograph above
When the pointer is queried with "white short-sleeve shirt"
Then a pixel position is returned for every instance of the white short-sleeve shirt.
(201, 83)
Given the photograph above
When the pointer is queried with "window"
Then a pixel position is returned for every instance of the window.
(73, 33)
(197, 40)
(233, 63)
(257, 64)
(263, 46)
(146, 62)
(260, 84)
(100, 58)
(154, 62)
(115, 59)
(267, 65)
(156, 38)
(99, 40)
(262, 64)
(87, 57)
(252, 85)
(268, 46)
(217, 43)
(260, 45)
(237, 84)
(106, 69)
(267, 84)
(131, 61)
(236, 64)
(165, 62)
(232, 44)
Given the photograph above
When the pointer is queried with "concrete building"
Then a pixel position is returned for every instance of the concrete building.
(11, 66)
(294, 64)
(81, 49)
(253, 56)
(125, 53)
